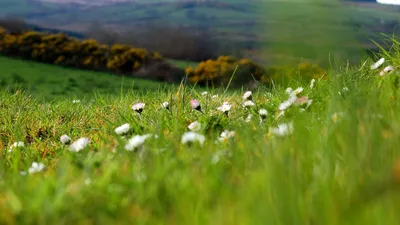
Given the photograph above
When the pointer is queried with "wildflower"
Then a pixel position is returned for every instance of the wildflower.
(217, 156)
(65, 139)
(286, 104)
(36, 167)
(248, 118)
(302, 100)
(289, 90)
(386, 70)
(225, 107)
(280, 114)
(195, 105)
(138, 107)
(225, 135)
(248, 103)
(190, 137)
(195, 126)
(344, 90)
(336, 115)
(214, 96)
(18, 144)
(377, 64)
(312, 83)
(247, 95)
(204, 93)
(123, 129)
(76, 101)
(165, 105)
(263, 113)
(136, 142)
(283, 129)
(79, 144)
(309, 102)
(298, 90)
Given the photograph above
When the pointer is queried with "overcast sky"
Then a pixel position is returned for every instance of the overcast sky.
(392, 2)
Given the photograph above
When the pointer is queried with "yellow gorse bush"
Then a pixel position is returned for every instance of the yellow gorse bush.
(220, 71)
(63, 50)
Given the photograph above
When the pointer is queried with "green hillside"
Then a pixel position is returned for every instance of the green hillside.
(287, 31)
(51, 82)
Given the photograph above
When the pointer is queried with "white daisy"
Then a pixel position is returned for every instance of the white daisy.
(337, 115)
(377, 64)
(286, 104)
(217, 156)
(65, 139)
(195, 105)
(225, 107)
(247, 95)
(190, 137)
(386, 70)
(298, 90)
(283, 129)
(344, 90)
(18, 144)
(138, 107)
(36, 168)
(123, 129)
(136, 141)
(165, 105)
(289, 90)
(248, 103)
(280, 114)
(225, 135)
(248, 118)
(312, 83)
(263, 113)
(195, 126)
(309, 102)
(79, 144)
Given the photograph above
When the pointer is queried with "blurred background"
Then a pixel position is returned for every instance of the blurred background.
(186, 32)
(284, 30)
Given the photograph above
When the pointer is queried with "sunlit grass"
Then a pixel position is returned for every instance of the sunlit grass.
(337, 165)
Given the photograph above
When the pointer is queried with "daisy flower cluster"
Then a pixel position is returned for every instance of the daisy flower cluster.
(385, 71)
(197, 130)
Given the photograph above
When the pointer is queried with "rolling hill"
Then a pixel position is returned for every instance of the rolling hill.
(271, 31)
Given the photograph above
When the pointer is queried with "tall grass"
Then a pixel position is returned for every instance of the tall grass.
(337, 167)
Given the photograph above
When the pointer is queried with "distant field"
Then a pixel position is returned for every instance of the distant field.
(279, 31)
(51, 82)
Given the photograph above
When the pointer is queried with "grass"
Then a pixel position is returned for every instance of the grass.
(339, 165)
(49, 82)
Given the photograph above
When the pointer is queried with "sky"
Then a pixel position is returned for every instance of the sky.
(391, 2)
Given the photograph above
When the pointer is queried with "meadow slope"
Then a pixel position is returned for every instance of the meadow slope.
(333, 162)
(287, 31)
(51, 82)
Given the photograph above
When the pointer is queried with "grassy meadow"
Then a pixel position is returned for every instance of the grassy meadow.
(333, 160)
(52, 82)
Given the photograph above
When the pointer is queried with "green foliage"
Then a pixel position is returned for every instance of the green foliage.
(50, 81)
(339, 165)
(87, 54)
(220, 71)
